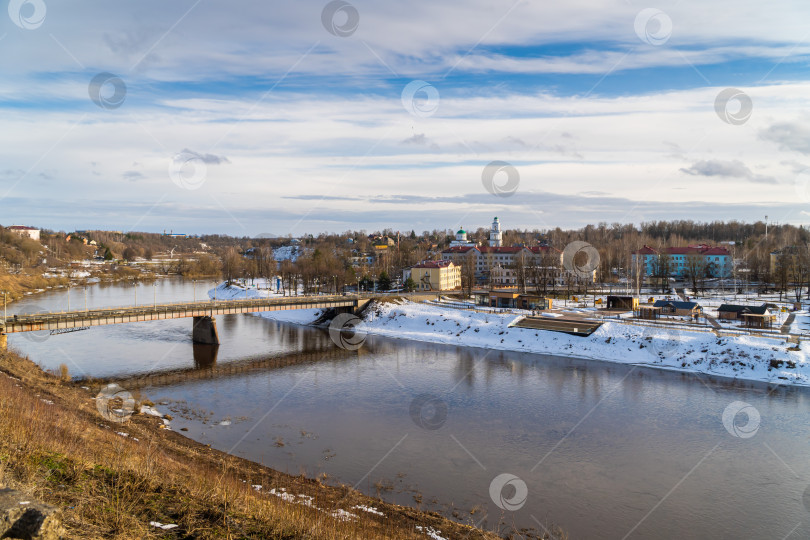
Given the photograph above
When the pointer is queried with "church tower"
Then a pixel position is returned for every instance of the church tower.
(495, 235)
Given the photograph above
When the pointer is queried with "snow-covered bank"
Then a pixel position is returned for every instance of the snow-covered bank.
(744, 357)
(297, 316)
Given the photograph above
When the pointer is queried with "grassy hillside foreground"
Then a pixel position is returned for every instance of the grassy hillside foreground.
(56, 446)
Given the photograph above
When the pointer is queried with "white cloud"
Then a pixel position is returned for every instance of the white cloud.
(304, 147)
(319, 156)
(790, 135)
(730, 169)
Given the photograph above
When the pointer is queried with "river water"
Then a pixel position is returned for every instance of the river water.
(603, 450)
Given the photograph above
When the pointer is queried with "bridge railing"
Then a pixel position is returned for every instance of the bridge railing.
(203, 305)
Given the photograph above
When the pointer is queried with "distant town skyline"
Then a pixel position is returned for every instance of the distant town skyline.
(331, 116)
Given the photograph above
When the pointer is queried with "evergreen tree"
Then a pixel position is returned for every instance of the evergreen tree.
(384, 283)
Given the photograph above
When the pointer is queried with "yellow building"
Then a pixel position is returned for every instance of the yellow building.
(436, 276)
(788, 256)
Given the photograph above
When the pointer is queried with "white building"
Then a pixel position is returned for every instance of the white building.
(22, 230)
(495, 234)
(461, 240)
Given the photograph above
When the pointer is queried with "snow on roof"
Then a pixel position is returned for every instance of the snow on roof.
(677, 304)
(735, 308)
(433, 264)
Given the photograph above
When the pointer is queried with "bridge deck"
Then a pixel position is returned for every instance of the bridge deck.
(152, 312)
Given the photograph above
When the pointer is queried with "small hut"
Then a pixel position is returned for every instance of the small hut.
(626, 303)
(677, 307)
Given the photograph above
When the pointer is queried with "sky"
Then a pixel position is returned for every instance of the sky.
(271, 118)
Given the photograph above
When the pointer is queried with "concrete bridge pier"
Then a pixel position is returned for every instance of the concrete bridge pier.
(205, 331)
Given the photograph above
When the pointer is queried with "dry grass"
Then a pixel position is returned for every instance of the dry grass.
(16, 285)
(56, 446)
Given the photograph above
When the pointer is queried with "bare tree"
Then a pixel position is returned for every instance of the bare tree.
(799, 270)
(468, 272)
(695, 270)
(783, 271)
(520, 264)
(232, 266)
(662, 268)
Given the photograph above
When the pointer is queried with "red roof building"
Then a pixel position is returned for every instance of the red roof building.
(22, 230)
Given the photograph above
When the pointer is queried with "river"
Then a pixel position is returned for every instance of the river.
(603, 450)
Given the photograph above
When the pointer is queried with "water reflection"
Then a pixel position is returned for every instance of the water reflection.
(600, 446)
(205, 356)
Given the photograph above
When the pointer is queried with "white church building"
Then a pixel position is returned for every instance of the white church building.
(495, 237)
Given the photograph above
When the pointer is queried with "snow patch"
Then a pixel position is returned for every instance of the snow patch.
(431, 532)
(369, 509)
(160, 525)
(343, 515)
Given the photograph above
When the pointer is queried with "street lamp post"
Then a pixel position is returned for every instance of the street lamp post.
(85, 298)
(154, 287)
(194, 288)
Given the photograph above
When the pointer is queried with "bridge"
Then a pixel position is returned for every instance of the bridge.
(202, 313)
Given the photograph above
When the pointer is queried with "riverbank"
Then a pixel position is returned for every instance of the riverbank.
(24, 284)
(740, 357)
(139, 479)
(19, 285)
(675, 347)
